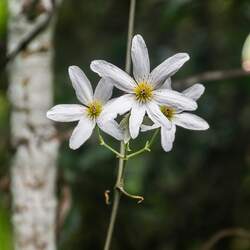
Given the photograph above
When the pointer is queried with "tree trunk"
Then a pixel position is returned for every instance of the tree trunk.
(33, 172)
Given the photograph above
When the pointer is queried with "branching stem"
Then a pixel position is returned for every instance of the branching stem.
(145, 148)
(104, 144)
(119, 180)
(140, 151)
(151, 141)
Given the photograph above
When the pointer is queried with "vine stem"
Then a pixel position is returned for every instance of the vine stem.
(131, 21)
(117, 196)
(121, 165)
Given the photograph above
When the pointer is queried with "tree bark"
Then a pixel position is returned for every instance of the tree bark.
(33, 170)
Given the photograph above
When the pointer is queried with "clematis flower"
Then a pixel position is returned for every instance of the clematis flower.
(194, 92)
(179, 117)
(90, 113)
(144, 92)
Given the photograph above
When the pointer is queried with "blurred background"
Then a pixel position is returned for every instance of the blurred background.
(202, 186)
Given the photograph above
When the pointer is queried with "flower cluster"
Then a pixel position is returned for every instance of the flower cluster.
(147, 93)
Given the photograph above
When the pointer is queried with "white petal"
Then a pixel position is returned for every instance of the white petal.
(103, 91)
(174, 99)
(118, 106)
(190, 121)
(107, 70)
(81, 85)
(167, 84)
(124, 126)
(81, 133)
(168, 68)
(111, 127)
(167, 138)
(140, 59)
(135, 120)
(157, 116)
(145, 128)
(194, 92)
(66, 112)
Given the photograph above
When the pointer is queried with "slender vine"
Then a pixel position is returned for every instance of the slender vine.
(123, 149)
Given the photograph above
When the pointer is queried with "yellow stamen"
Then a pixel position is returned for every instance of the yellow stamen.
(143, 92)
(94, 109)
(168, 112)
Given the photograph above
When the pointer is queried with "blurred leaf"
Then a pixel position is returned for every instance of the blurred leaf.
(3, 17)
(4, 109)
(5, 229)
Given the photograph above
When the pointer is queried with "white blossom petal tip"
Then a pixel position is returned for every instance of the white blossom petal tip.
(194, 92)
(145, 128)
(120, 78)
(103, 91)
(140, 59)
(190, 121)
(167, 68)
(66, 112)
(81, 84)
(81, 133)
(135, 120)
(174, 99)
(111, 127)
(167, 138)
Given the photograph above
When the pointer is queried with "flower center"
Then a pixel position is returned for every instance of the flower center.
(94, 109)
(143, 92)
(168, 112)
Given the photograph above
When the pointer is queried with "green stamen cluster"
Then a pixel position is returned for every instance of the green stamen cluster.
(94, 109)
(168, 112)
(143, 92)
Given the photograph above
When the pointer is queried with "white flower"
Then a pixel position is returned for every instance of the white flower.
(90, 113)
(179, 118)
(145, 92)
(194, 92)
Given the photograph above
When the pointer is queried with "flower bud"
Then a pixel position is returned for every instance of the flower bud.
(246, 55)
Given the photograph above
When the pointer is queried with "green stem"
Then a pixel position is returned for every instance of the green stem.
(119, 180)
(117, 196)
(104, 144)
(145, 148)
(140, 151)
(153, 137)
(119, 155)
(130, 34)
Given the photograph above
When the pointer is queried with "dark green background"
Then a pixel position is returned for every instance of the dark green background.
(203, 185)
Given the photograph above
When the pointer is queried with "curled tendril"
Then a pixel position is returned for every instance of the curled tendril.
(139, 198)
(107, 198)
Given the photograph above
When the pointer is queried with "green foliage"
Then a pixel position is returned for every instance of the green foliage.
(4, 110)
(4, 126)
(5, 229)
(3, 17)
